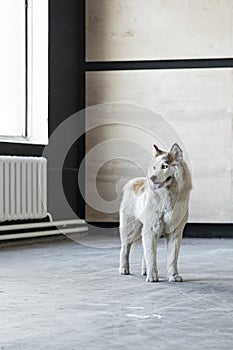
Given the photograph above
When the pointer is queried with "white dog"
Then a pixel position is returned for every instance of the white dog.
(154, 206)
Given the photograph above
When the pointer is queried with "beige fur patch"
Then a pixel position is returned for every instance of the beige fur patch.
(139, 186)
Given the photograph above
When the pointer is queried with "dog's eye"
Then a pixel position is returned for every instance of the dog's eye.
(154, 167)
(164, 166)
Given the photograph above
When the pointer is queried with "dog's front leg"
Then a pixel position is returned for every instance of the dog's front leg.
(173, 242)
(124, 259)
(150, 241)
(143, 266)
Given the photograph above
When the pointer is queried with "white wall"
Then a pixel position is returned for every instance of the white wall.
(197, 103)
(158, 29)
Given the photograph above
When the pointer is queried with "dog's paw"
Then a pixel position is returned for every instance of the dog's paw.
(175, 278)
(124, 271)
(152, 278)
(143, 273)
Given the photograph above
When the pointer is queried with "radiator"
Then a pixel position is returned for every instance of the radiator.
(23, 188)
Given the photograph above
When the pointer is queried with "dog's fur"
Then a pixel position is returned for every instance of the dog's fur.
(154, 206)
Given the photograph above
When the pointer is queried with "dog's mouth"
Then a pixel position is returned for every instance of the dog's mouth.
(157, 185)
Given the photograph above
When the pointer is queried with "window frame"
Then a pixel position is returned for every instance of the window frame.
(36, 75)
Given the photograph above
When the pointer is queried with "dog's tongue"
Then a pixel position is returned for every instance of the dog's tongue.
(156, 186)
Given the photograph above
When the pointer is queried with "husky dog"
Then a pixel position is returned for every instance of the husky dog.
(154, 206)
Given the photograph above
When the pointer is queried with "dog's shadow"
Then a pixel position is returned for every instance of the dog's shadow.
(189, 279)
(208, 279)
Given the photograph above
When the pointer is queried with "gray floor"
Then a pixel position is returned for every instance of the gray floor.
(68, 295)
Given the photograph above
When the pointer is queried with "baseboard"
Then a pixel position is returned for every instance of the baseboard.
(191, 230)
(208, 230)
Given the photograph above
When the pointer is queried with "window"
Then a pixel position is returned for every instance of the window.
(24, 71)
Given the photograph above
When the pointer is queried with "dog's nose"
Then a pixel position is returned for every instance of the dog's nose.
(153, 178)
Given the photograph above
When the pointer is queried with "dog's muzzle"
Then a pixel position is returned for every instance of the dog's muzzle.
(156, 184)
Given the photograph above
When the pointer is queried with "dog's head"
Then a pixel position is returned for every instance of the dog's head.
(163, 168)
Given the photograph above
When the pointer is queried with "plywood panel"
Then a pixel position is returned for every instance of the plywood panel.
(158, 29)
(196, 108)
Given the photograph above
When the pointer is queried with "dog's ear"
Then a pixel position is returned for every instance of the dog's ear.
(157, 151)
(176, 152)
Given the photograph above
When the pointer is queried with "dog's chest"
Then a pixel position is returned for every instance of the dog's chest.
(168, 210)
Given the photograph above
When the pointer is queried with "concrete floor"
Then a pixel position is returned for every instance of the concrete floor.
(64, 295)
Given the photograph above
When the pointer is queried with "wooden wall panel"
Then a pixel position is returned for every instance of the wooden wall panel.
(197, 104)
(158, 29)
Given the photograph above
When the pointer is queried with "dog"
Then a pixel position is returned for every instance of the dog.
(154, 206)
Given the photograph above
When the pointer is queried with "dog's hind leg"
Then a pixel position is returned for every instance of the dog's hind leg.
(130, 231)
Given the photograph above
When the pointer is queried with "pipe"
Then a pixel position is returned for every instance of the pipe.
(41, 224)
(42, 233)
